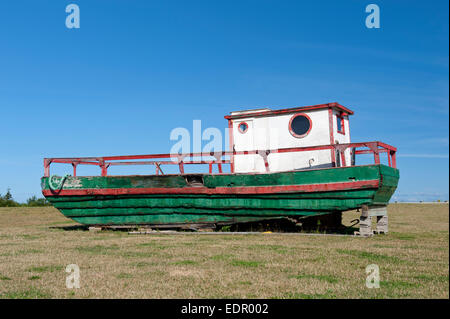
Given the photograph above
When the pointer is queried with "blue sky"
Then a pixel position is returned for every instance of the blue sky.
(137, 69)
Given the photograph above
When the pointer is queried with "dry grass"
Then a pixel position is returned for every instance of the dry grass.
(413, 260)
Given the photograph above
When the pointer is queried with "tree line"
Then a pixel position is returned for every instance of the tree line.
(7, 200)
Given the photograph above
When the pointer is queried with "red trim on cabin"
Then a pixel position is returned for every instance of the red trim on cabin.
(331, 128)
(290, 110)
(239, 127)
(290, 125)
(340, 117)
(231, 139)
(325, 187)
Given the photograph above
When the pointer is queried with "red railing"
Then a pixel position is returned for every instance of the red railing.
(216, 158)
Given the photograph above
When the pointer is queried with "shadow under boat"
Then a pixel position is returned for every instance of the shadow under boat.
(324, 224)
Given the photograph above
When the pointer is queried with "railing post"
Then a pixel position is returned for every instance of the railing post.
(377, 157)
(74, 165)
(104, 167)
(343, 149)
(374, 148)
(353, 156)
(180, 165)
(218, 157)
(394, 160)
(233, 152)
(47, 163)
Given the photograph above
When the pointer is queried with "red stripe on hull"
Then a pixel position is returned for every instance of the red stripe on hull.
(219, 190)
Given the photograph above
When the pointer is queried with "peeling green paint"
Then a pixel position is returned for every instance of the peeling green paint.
(222, 208)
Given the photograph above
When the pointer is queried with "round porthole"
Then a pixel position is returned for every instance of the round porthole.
(300, 125)
(243, 127)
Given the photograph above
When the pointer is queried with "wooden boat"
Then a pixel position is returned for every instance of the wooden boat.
(299, 178)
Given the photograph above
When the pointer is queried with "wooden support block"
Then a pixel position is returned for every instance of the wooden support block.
(365, 211)
(365, 221)
(94, 229)
(382, 224)
(365, 226)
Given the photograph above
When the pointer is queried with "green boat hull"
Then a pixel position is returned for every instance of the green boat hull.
(220, 198)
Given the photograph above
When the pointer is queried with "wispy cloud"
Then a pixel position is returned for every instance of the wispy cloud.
(434, 140)
(426, 58)
(424, 155)
(420, 196)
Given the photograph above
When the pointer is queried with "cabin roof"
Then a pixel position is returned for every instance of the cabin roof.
(269, 112)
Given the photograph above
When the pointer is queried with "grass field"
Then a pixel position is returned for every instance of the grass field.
(413, 260)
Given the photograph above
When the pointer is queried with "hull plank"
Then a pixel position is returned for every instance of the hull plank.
(226, 198)
(171, 219)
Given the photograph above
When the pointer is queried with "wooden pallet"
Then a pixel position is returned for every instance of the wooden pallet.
(365, 221)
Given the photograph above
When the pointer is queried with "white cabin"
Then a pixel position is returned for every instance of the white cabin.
(266, 129)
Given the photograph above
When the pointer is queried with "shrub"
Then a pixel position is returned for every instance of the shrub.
(34, 202)
(7, 200)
